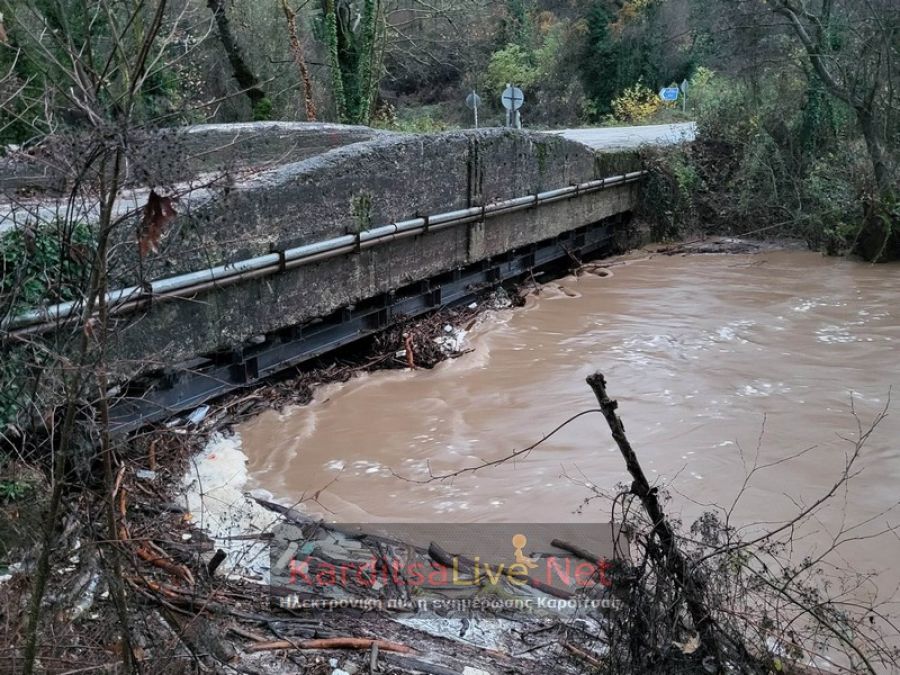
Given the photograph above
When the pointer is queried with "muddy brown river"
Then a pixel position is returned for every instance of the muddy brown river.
(711, 358)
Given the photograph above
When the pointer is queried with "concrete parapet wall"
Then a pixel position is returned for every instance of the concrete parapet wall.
(373, 183)
(180, 154)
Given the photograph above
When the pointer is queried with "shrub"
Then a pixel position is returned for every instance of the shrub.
(43, 263)
(637, 103)
(511, 65)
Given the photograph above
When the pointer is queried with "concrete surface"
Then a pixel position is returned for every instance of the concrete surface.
(607, 139)
(176, 155)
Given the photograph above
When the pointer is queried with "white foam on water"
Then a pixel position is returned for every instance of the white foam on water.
(215, 499)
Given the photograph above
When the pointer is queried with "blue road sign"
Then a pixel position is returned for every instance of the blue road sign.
(669, 93)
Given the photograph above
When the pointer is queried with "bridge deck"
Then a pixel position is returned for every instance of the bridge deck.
(628, 138)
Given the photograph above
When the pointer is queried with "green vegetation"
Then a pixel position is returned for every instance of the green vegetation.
(361, 206)
(13, 395)
(778, 161)
(13, 490)
(44, 263)
(353, 45)
(38, 265)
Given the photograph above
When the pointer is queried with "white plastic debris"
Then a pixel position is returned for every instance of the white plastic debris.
(199, 414)
(469, 670)
(448, 328)
(145, 474)
(474, 305)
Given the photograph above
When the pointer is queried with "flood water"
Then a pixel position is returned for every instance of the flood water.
(715, 360)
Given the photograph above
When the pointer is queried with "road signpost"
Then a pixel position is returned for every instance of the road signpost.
(473, 100)
(684, 90)
(669, 94)
(512, 99)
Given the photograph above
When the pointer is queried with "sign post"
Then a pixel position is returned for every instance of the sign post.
(684, 90)
(669, 94)
(473, 100)
(512, 99)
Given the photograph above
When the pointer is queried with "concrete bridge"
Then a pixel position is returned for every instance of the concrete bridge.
(294, 239)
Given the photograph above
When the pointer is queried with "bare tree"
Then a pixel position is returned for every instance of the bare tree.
(290, 16)
(854, 50)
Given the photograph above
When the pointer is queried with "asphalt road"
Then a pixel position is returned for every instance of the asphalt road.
(626, 138)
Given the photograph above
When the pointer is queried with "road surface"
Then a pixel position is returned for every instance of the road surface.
(628, 138)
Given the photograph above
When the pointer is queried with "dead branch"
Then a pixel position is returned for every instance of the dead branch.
(690, 585)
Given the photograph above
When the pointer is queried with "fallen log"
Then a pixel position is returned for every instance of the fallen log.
(577, 551)
(332, 643)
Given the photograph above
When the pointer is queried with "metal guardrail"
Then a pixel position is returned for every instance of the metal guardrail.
(131, 298)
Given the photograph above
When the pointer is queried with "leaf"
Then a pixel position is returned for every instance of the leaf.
(691, 646)
(91, 326)
(158, 213)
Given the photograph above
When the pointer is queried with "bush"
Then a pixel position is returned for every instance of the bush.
(754, 171)
(636, 104)
(511, 65)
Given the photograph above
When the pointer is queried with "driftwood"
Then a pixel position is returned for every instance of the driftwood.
(332, 643)
(581, 654)
(217, 560)
(577, 551)
(419, 666)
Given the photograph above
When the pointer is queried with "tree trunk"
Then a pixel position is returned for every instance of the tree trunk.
(878, 240)
(869, 125)
(337, 77)
(239, 67)
(300, 60)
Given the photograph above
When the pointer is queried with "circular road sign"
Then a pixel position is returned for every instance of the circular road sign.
(473, 101)
(512, 98)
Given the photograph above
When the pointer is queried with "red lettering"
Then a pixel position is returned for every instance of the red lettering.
(564, 574)
(585, 574)
(300, 568)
